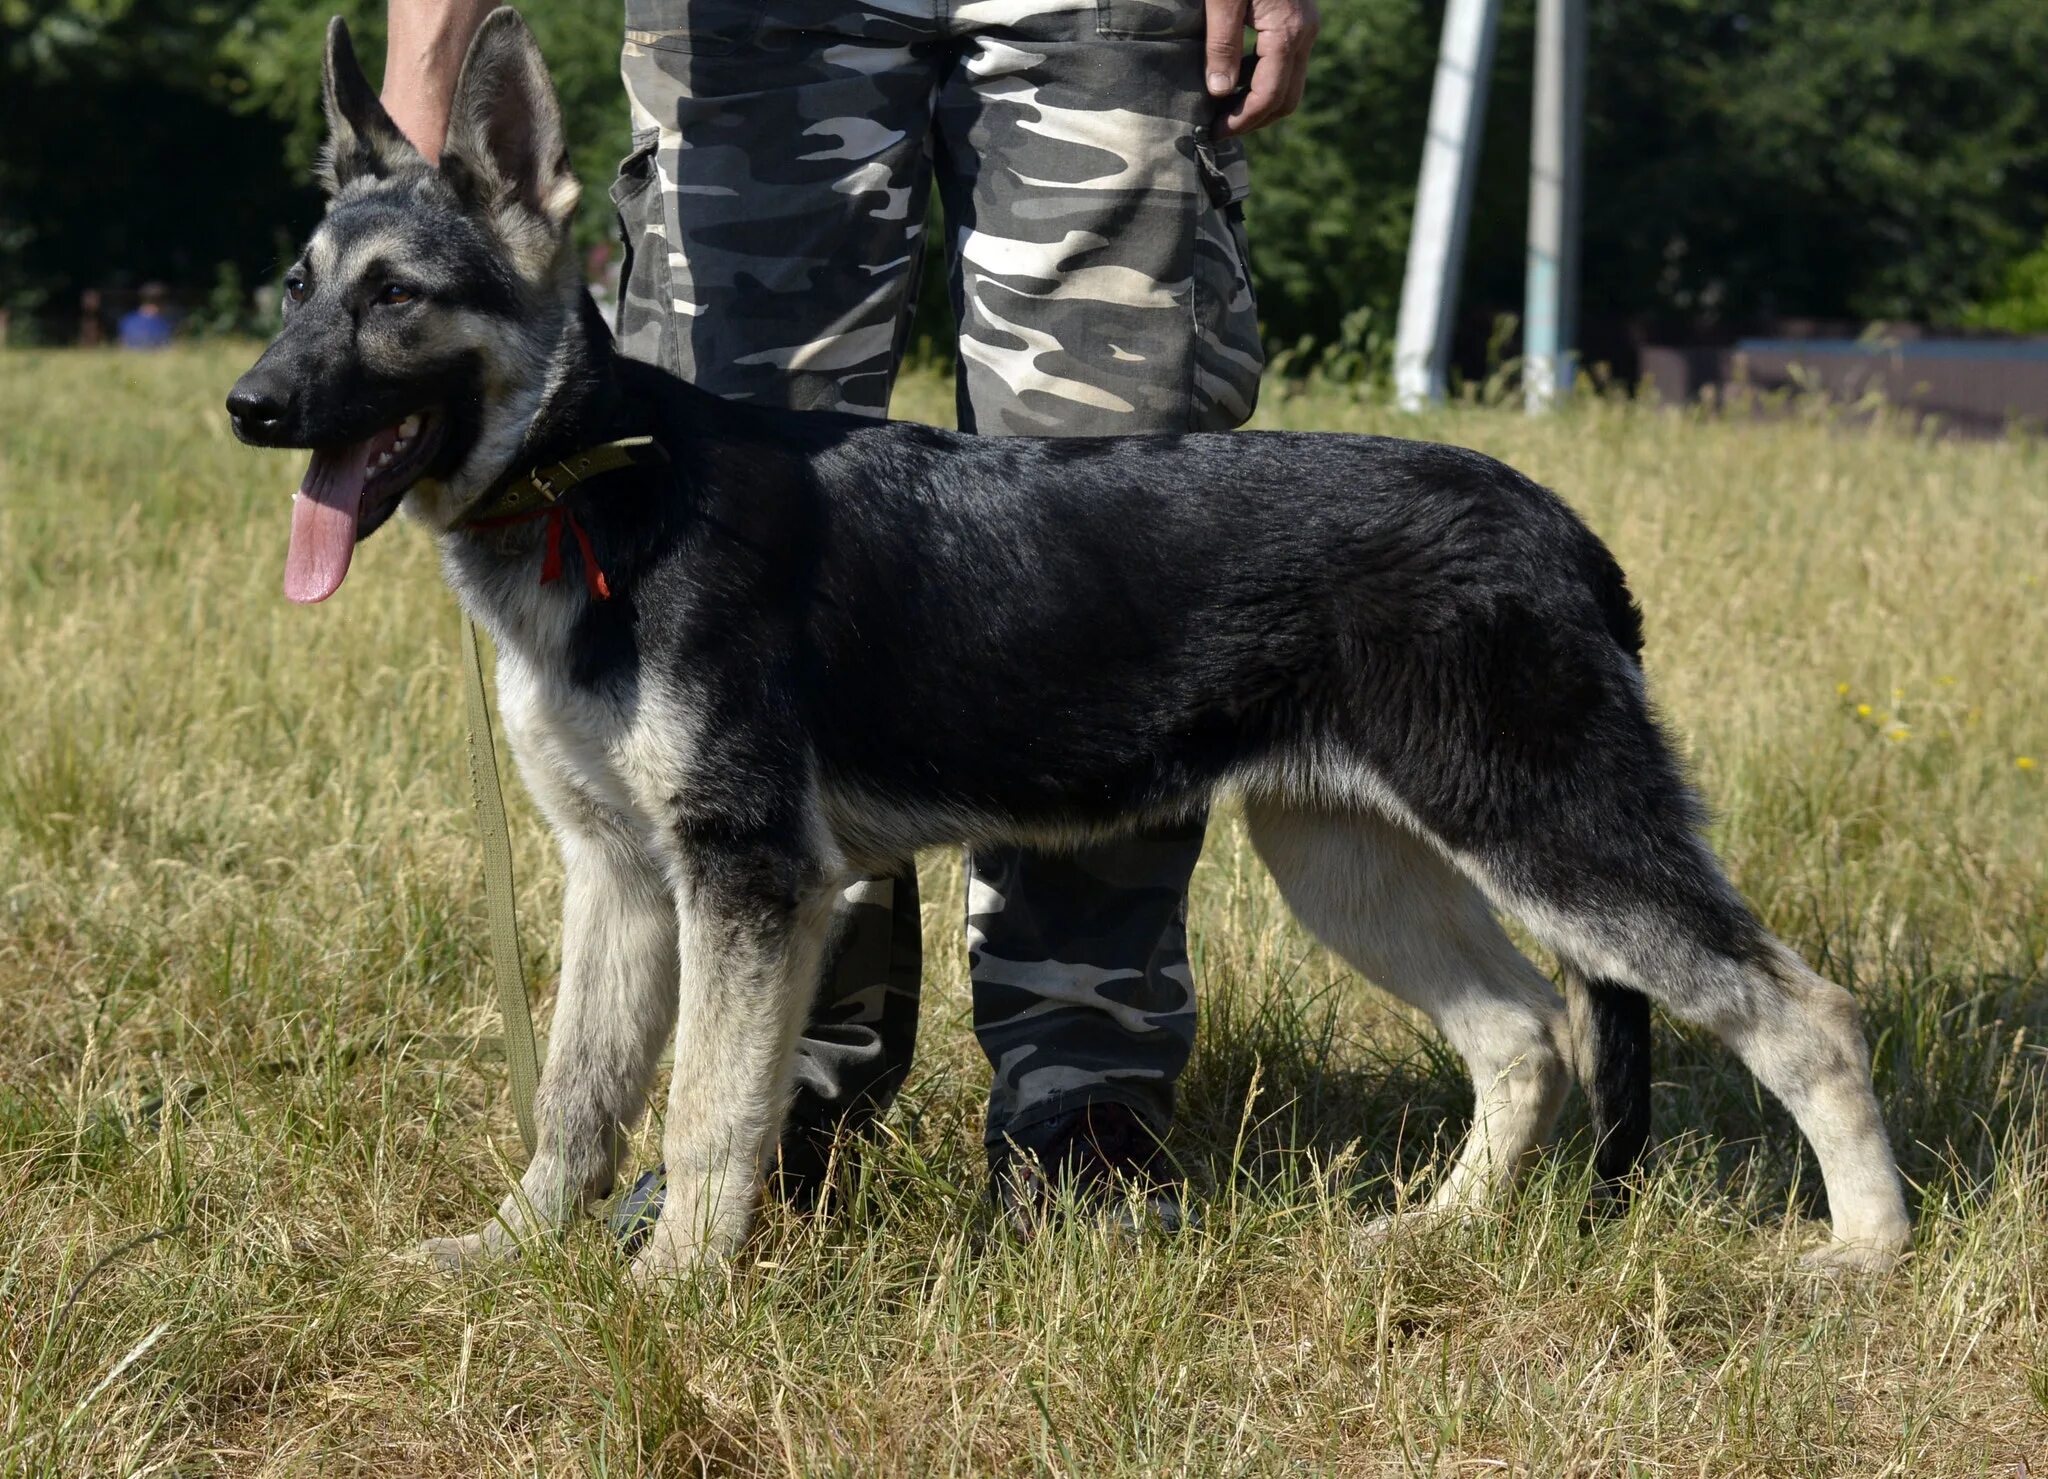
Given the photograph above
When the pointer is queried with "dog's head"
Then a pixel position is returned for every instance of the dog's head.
(422, 319)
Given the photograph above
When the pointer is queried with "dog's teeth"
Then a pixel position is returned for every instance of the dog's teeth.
(406, 428)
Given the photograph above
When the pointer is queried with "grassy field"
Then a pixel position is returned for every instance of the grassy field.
(241, 919)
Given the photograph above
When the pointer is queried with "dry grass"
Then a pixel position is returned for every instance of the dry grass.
(242, 910)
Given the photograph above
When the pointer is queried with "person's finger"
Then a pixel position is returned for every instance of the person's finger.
(1225, 46)
(1263, 100)
(1296, 59)
(1279, 75)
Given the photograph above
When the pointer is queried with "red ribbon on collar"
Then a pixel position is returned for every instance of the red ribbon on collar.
(551, 548)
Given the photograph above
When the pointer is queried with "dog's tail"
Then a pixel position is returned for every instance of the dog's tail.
(1610, 1023)
(1610, 1029)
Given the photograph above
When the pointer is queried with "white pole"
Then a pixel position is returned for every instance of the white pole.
(1443, 201)
(1551, 292)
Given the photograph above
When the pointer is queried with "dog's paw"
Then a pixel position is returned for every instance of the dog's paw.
(668, 1258)
(1406, 1225)
(453, 1255)
(1839, 1257)
(655, 1272)
(1374, 1236)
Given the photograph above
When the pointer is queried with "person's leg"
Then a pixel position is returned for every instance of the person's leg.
(1095, 230)
(1098, 268)
(856, 1048)
(789, 153)
(773, 209)
(1082, 989)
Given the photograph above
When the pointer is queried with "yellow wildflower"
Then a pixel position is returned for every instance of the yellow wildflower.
(1863, 711)
(2025, 762)
(1897, 734)
(1841, 690)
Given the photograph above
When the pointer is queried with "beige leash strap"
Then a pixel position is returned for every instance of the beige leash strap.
(521, 1056)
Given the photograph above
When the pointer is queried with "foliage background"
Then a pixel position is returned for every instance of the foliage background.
(1835, 159)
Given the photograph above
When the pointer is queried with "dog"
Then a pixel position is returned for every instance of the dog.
(759, 654)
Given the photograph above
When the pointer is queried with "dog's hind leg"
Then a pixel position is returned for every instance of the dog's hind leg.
(1401, 916)
(614, 1010)
(754, 918)
(1651, 911)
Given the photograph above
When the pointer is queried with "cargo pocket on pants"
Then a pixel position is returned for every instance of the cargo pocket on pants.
(698, 27)
(644, 327)
(1150, 19)
(1228, 355)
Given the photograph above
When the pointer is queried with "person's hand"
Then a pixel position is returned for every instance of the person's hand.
(426, 42)
(1286, 30)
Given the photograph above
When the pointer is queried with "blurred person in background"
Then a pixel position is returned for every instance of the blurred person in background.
(92, 326)
(147, 325)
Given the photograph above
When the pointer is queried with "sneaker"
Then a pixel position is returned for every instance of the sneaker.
(632, 1213)
(1104, 1152)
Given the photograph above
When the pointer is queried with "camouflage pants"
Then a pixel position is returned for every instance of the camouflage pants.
(774, 212)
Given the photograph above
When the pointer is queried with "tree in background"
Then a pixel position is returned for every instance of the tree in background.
(1840, 159)
(1860, 159)
(2020, 306)
(128, 151)
(173, 139)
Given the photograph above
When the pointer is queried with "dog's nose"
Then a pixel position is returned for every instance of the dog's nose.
(257, 410)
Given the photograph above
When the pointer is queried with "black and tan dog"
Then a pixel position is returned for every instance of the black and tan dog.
(765, 660)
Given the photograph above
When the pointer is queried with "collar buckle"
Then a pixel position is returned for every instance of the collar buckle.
(531, 493)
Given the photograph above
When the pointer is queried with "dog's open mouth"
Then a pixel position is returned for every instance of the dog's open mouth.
(347, 492)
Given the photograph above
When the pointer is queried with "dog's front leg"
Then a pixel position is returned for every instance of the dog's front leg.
(614, 1010)
(753, 918)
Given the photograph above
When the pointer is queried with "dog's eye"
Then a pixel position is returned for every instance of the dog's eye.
(295, 287)
(394, 293)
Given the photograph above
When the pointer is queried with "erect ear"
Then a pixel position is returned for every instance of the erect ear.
(362, 141)
(505, 149)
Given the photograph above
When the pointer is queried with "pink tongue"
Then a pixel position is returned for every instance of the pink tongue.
(324, 522)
